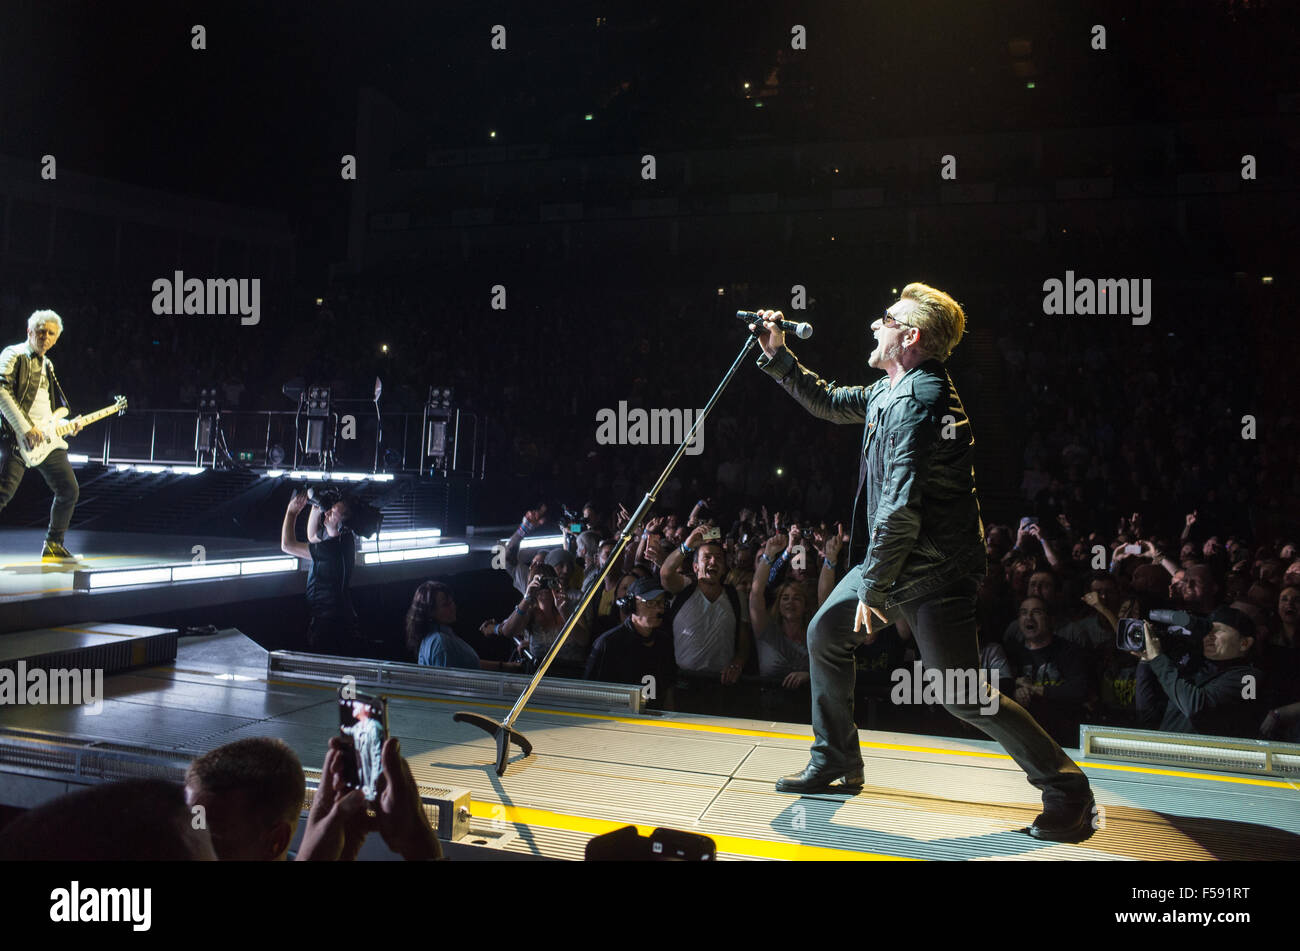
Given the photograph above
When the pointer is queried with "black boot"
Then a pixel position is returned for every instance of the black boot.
(1066, 822)
(816, 779)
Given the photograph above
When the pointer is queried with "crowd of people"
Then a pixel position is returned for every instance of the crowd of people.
(708, 611)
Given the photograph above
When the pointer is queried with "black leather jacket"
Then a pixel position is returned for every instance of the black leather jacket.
(20, 383)
(916, 478)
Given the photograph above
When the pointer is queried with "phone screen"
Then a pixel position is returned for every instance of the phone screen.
(363, 723)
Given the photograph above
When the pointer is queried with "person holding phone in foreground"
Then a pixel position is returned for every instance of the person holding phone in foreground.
(923, 552)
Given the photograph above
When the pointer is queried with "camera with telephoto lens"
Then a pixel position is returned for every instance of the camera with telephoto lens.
(1177, 631)
(363, 518)
(325, 497)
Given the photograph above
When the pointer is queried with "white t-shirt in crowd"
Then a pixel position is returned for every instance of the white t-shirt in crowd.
(704, 633)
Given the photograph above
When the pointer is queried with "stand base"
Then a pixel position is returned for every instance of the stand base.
(503, 734)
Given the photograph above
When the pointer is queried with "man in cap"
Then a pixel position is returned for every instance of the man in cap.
(638, 651)
(1214, 693)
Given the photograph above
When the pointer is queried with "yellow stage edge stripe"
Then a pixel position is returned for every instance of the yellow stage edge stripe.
(735, 845)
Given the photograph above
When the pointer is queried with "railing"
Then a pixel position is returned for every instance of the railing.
(356, 440)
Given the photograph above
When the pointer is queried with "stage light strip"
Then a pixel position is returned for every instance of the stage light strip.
(396, 541)
(415, 554)
(316, 475)
(207, 569)
(77, 458)
(266, 566)
(93, 580)
(151, 468)
(413, 533)
(539, 541)
(117, 579)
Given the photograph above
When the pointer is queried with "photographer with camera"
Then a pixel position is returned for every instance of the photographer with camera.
(1213, 691)
(331, 548)
(538, 619)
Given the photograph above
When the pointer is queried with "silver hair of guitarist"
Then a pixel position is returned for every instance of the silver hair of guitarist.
(44, 317)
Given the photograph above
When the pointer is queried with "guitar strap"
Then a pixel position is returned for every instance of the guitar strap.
(63, 400)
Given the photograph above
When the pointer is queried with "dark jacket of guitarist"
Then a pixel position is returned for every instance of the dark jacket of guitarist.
(28, 394)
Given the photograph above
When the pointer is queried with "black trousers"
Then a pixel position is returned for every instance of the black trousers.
(333, 634)
(943, 627)
(58, 475)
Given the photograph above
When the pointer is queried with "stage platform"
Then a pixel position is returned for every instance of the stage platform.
(35, 595)
(592, 771)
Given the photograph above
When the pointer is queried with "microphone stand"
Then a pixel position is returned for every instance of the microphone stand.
(503, 731)
(379, 423)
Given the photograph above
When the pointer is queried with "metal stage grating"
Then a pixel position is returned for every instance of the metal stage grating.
(596, 769)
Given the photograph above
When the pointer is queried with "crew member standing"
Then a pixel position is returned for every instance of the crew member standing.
(332, 548)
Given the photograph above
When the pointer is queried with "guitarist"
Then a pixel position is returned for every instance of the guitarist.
(27, 402)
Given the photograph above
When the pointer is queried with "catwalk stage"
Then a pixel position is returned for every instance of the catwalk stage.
(597, 768)
(600, 761)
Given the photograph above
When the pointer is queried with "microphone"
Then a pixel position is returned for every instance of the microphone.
(801, 330)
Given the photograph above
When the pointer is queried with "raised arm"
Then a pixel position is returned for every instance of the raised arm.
(532, 519)
(1158, 557)
(1047, 546)
(1093, 600)
(289, 543)
(758, 589)
(313, 525)
(517, 623)
(827, 576)
(835, 404)
(670, 572)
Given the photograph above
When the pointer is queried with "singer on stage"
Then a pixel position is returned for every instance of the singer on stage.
(917, 524)
(29, 394)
